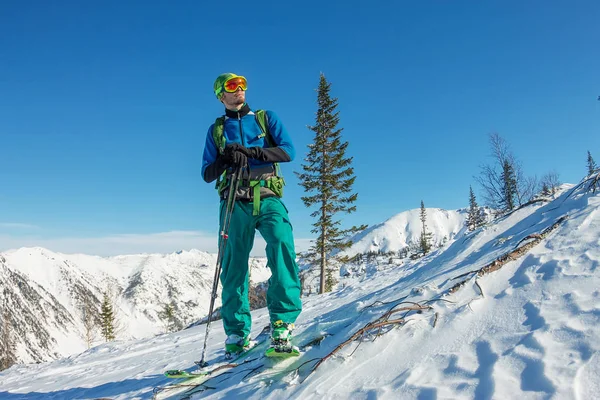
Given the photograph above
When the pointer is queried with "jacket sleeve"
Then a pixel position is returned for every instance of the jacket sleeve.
(284, 150)
(212, 162)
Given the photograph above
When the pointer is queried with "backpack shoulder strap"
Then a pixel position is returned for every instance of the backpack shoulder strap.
(263, 121)
(218, 134)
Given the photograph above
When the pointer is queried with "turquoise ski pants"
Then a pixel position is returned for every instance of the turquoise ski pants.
(283, 295)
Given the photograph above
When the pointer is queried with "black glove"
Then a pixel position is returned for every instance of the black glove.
(235, 155)
(232, 148)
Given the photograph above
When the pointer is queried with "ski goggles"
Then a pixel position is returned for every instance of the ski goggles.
(232, 84)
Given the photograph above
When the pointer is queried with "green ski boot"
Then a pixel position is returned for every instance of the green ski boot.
(235, 345)
(281, 341)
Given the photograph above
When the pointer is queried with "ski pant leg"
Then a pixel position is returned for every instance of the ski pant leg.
(235, 309)
(283, 295)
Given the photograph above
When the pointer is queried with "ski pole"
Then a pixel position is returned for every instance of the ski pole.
(233, 187)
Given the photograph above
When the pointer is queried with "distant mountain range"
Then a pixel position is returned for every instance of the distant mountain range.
(46, 293)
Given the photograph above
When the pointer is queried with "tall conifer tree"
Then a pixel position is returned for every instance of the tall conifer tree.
(509, 186)
(107, 319)
(328, 178)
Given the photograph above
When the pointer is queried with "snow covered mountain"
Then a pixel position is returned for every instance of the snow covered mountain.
(404, 229)
(46, 294)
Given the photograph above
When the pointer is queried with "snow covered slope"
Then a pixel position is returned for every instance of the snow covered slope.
(492, 322)
(405, 228)
(45, 294)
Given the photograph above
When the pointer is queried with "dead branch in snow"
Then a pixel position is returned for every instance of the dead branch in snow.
(374, 328)
(463, 275)
(252, 371)
(510, 256)
(480, 289)
(532, 236)
(593, 180)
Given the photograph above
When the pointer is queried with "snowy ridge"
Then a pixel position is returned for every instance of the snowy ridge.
(530, 329)
(405, 228)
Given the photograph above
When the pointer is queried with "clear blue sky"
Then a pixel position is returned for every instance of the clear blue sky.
(104, 106)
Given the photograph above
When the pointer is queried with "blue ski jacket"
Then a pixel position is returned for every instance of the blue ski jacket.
(242, 127)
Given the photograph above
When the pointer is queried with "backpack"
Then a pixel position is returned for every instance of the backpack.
(275, 183)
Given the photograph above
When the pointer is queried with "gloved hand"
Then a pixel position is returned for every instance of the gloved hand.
(235, 147)
(235, 155)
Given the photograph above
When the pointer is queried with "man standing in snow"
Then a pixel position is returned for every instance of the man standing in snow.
(254, 141)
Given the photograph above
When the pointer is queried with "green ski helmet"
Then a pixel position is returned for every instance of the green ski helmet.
(218, 87)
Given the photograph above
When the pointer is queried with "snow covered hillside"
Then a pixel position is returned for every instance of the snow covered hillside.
(46, 293)
(509, 311)
(404, 229)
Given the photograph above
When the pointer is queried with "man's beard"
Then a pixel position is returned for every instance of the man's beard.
(239, 100)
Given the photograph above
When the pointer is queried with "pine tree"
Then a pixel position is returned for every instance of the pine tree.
(425, 238)
(591, 164)
(107, 319)
(491, 177)
(167, 315)
(509, 186)
(328, 179)
(8, 349)
(475, 218)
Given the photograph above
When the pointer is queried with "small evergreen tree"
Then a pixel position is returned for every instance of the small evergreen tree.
(8, 345)
(475, 218)
(509, 186)
(492, 178)
(168, 317)
(107, 319)
(425, 238)
(550, 184)
(591, 164)
(328, 178)
(330, 281)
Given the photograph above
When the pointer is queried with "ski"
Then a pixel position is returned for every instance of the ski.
(214, 365)
(193, 379)
(225, 359)
(194, 385)
(275, 352)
